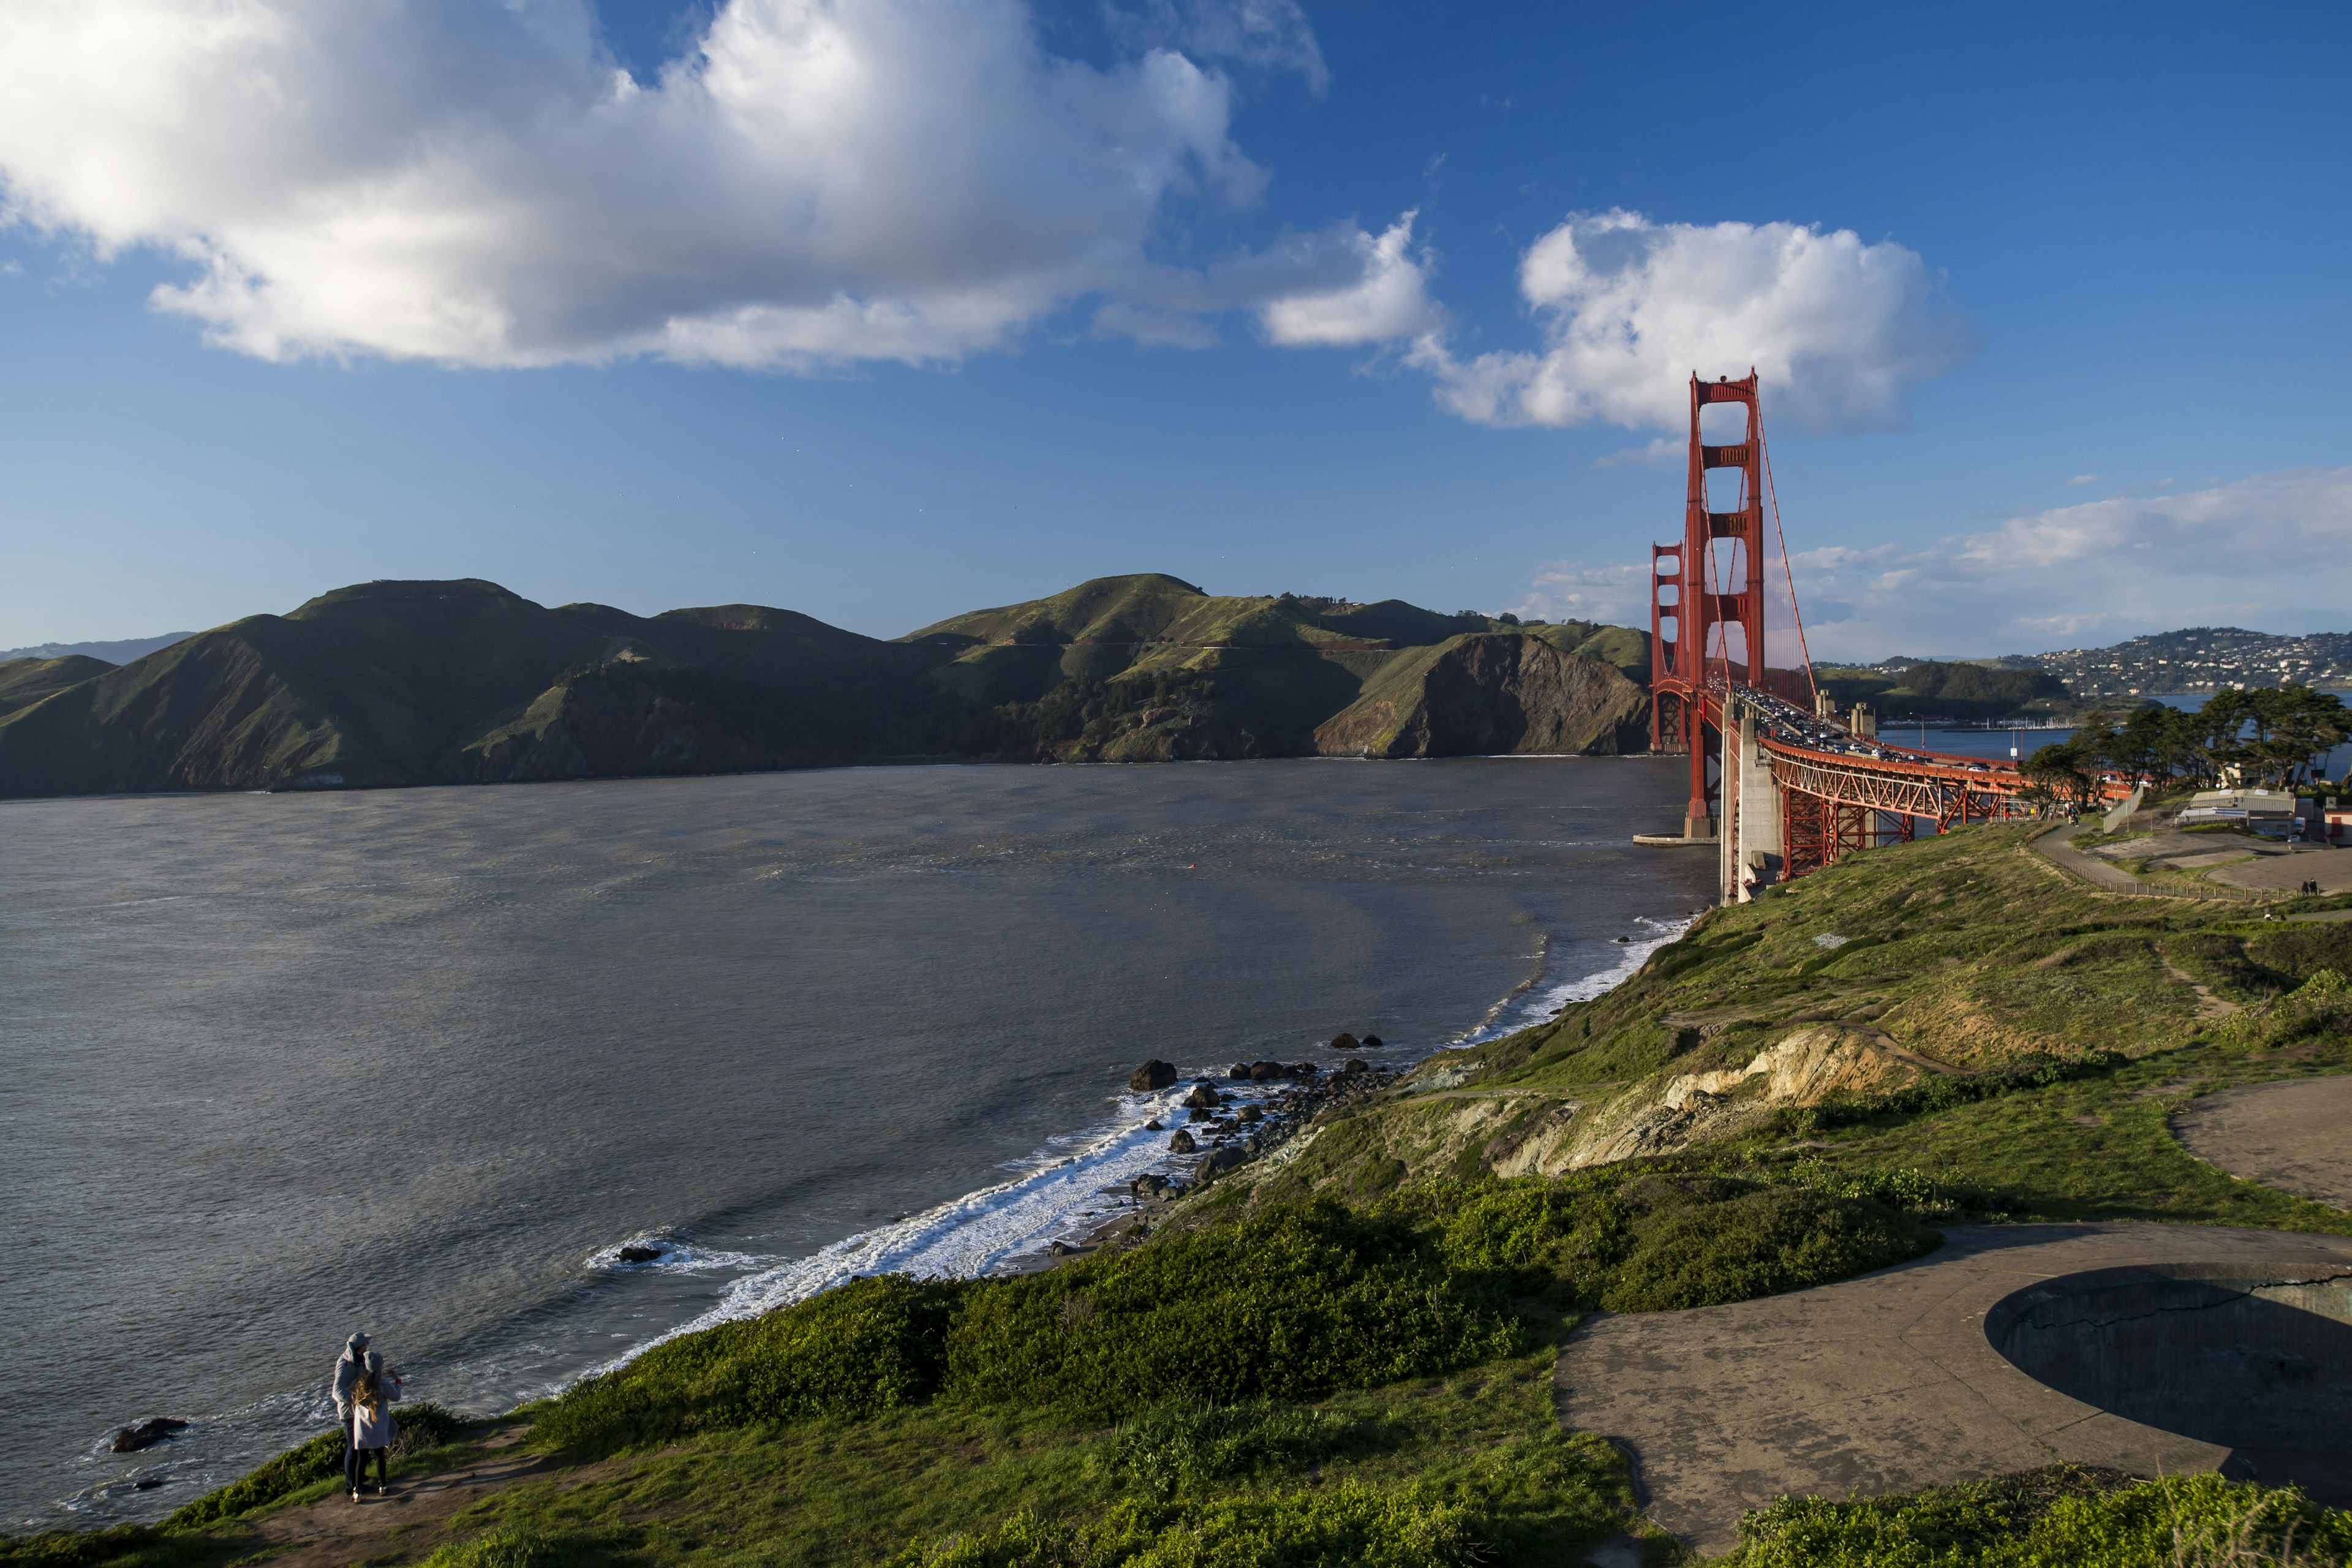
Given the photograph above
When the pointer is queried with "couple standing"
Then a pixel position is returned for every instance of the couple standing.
(364, 1390)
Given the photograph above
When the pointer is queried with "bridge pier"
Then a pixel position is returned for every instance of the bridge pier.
(1750, 856)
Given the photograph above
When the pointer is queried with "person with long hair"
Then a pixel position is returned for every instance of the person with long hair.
(372, 1426)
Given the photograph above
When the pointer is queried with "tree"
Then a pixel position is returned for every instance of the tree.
(2066, 771)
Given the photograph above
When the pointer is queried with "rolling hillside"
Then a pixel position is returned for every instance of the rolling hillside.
(463, 682)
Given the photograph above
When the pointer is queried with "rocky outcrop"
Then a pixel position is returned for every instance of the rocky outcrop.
(1152, 1075)
(1804, 1068)
(1491, 693)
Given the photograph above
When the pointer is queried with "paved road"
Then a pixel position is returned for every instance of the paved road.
(2055, 844)
(2295, 1135)
(2329, 867)
(1879, 1385)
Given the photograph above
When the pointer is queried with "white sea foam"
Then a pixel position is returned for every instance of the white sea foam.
(1059, 1196)
(1542, 997)
(1062, 1195)
(674, 1257)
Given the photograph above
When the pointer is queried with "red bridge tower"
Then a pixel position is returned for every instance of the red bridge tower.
(1707, 599)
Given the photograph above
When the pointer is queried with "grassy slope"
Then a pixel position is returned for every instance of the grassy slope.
(1280, 666)
(1968, 949)
(25, 682)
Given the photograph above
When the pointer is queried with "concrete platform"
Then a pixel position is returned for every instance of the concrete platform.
(1883, 1384)
(2294, 1135)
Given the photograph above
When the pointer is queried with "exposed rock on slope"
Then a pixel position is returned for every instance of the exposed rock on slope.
(1488, 693)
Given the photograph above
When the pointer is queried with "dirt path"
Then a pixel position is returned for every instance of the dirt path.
(2208, 1005)
(408, 1523)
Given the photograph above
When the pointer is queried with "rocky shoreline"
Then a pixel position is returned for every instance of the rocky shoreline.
(1228, 1122)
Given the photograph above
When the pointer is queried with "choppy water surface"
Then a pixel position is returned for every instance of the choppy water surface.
(273, 1067)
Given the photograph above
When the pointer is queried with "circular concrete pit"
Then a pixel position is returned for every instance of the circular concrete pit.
(2255, 1359)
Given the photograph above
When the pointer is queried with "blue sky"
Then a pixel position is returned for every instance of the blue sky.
(883, 310)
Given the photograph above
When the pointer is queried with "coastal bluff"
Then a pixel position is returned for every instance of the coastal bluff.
(463, 681)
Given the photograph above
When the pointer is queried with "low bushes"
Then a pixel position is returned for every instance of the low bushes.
(1181, 1447)
(1543, 1497)
(1657, 1243)
(521, 1546)
(870, 1346)
(2067, 1514)
(1289, 1303)
(1700, 1252)
(1349, 1523)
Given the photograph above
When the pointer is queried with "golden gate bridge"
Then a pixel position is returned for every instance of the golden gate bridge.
(1780, 783)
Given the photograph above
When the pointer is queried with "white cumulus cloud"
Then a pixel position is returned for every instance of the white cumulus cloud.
(1839, 330)
(1386, 298)
(812, 182)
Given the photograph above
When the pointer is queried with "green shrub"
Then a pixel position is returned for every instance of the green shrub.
(304, 1465)
(1561, 1238)
(1181, 1447)
(2293, 955)
(1702, 1250)
(1350, 1524)
(2063, 1517)
(2320, 1006)
(76, 1548)
(515, 1546)
(869, 1346)
(1290, 1303)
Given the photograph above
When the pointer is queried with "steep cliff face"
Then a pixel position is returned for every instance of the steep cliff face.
(1488, 693)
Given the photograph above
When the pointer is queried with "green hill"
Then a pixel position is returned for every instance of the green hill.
(458, 682)
(25, 682)
(1934, 690)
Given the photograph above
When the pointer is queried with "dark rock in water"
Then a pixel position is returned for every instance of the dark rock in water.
(1343, 1041)
(146, 1435)
(1250, 1113)
(1264, 1070)
(1240, 1069)
(1153, 1074)
(1624, 939)
(1304, 1069)
(639, 1254)
(1198, 1113)
(1203, 1095)
(1357, 1067)
(1153, 1126)
(1182, 1144)
(1371, 1042)
(146, 1483)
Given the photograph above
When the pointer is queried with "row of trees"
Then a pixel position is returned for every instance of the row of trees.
(2273, 735)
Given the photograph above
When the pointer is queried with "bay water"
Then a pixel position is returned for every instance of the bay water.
(276, 1068)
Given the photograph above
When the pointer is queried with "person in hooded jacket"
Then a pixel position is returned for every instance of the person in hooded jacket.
(348, 1367)
(372, 1426)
